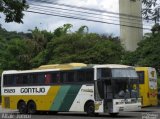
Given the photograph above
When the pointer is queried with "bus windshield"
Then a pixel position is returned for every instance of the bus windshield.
(125, 88)
(125, 83)
(124, 73)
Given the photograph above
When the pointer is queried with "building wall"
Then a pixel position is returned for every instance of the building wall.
(130, 36)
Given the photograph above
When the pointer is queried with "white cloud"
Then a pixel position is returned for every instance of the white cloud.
(51, 22)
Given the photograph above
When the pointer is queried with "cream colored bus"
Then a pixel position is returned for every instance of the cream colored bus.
(73, 87)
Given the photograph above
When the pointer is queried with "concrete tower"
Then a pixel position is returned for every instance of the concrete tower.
(130, 15)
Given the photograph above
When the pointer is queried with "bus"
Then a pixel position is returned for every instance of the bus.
(73, 87)
(0, 92)
(148, 85)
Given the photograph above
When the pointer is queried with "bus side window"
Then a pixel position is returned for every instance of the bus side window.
(70, 76)
(33, 79)
(41, 78)
(141, 76)
(9, 80)
(89, 75)
(67, 76)
(81, 76)
(55, 78)
(19, 79)
(25, 79)
(63, 77)
(48, 78)
(76, 76)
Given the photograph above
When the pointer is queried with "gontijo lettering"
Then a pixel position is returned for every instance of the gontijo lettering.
(32, 90)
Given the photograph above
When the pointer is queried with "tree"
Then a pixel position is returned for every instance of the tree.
(15, 54)
(13, 10)
(146, 54)
(80, 47)
(155, 29)
(39, 40)
(81, 30)
(62, 30)
(151, 10)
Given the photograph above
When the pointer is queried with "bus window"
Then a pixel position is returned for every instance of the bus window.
(103, 73)
(81, 76)
(63, 77)
(25, 79)
(8, 80)
(84, 75)
(55, 78)
(41, 78)
(67, 77)
(18, 79)
(48, 78)
(89, 75)
(141, 76)
(32, 79)
(70, 76)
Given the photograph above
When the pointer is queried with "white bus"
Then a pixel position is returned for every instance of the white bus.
(73, 87)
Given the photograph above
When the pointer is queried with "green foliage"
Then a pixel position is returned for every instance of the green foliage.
(147, 54)
(155, 29)
(11, 35)
(13, 10)
(62, 30)
(15, 55)
(77, 47)
(81, 30)
(151, 10)
(26, 51)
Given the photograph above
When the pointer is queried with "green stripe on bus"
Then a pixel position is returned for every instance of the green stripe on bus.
(70, 97)
(60, 98)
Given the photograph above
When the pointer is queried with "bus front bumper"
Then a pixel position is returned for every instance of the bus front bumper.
(125, 105)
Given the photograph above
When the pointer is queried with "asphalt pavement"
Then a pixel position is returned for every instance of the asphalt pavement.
(145, 113)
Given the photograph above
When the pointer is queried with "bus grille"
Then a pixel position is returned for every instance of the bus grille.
(7, 102)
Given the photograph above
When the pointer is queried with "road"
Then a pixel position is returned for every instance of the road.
(149, 112)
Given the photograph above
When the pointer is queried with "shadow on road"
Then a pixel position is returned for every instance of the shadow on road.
(123, 116)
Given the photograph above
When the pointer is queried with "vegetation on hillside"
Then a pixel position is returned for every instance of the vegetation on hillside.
(26, 51)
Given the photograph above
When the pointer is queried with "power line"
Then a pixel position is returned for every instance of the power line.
(88, 9)
(85, 19)
(46, 10)
(85, 12)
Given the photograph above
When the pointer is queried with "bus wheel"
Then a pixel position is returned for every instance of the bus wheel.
(90, 109)
(113, 114)
(22, 107)
(31, 107)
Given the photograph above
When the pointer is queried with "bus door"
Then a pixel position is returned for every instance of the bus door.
(103, 93)
(108, 95)
(103, 88)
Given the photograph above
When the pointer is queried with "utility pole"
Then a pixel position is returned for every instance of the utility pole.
(130, 15)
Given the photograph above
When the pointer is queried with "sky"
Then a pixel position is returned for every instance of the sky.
(50, 23)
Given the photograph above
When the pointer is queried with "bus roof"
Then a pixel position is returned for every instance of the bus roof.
(63, 66)
(69, 66)
(112, 66)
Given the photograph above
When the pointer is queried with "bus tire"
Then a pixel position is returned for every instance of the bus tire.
(22, 107)
(31, 107)
(113, 114)
(90, 109)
